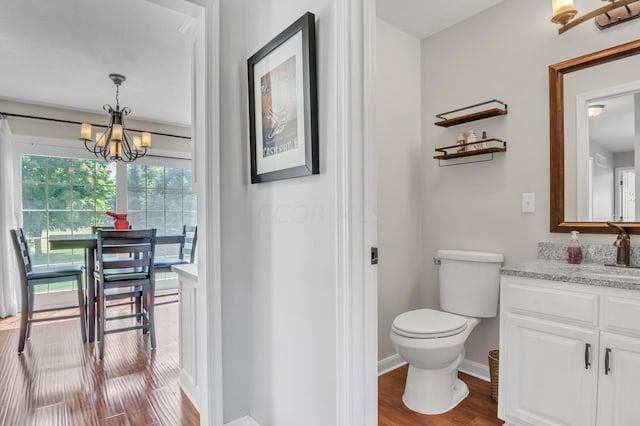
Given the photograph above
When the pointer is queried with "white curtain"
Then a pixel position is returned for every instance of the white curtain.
(9, 279)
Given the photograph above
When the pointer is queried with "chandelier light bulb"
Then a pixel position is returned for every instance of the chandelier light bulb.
(100, 139)
(146, 139)
(85, 131)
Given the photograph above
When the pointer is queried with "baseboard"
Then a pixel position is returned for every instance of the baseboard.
(475, 369)
(243, 421)
(471, 368)
(390, 363)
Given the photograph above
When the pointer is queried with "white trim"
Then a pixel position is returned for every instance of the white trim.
(209, 151)
(475, 369)
(472, 368)
(243, 421)
(390, 363)
(207, 137)
(356, 285)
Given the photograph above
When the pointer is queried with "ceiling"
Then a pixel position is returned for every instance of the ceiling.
(59, 53)
(422, 18)
(614, 128)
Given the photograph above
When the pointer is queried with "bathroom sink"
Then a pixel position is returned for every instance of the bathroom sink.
(615, 277)
(611, 272)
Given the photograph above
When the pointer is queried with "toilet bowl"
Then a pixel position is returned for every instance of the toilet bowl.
(433, 356)
(432, 341)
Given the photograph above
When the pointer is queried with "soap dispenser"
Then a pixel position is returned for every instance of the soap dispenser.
(574, 251)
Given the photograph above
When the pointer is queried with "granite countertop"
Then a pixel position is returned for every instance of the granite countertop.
(595, 274)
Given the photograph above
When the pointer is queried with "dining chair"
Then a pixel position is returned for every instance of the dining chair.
(124, 269)
(31, 277)
(186, 254)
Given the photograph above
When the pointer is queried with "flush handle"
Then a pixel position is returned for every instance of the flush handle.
(607, 352)
(587, 346)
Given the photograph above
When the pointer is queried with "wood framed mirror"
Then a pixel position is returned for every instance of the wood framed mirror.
(557, 72)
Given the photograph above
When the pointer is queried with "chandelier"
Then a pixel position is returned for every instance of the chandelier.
(115, 143)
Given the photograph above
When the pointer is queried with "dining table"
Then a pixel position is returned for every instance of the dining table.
(89, 242)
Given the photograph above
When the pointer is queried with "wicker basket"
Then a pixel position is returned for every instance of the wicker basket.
(494, 363)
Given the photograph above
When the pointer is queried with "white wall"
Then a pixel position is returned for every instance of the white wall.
(399, 179)
(293, 253)
(501, 53)
(603, 183)
(236, 254)
(278, 266)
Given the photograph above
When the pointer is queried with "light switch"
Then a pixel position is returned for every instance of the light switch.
(528, 202)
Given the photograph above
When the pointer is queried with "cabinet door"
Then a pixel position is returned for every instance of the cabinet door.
(545, 379)
(618, 386)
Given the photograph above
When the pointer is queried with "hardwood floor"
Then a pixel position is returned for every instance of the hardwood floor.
(478, 409)
(58, 380)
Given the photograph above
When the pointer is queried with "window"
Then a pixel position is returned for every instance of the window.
(159, 197)
(63, 195)
(69, 195)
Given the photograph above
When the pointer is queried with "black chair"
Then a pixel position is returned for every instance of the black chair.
(124, 269)
(31, 277)
(186, 254)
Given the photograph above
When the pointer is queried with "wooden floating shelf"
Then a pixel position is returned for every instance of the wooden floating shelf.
(493, 112)
(500, 146)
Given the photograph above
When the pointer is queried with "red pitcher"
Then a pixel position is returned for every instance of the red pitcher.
(119, 220)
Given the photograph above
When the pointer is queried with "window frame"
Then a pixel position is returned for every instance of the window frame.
(65, 148)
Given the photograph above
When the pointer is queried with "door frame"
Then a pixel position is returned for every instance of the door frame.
(205, 78)
(356, 280)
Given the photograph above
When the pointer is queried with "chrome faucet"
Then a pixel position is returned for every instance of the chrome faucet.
(623, 243)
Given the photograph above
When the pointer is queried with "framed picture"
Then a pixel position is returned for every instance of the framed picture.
(283, 111)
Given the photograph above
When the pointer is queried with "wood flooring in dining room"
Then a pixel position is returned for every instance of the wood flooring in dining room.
(58, 380)
(478, 409)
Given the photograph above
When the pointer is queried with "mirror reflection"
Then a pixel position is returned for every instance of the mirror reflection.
(610, 173)
(601, 115)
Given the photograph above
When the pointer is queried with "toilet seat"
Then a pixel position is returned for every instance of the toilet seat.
(428, 324)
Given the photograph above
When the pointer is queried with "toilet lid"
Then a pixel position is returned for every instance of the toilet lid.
(428, 324)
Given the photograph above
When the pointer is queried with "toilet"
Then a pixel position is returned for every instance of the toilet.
(432, 341)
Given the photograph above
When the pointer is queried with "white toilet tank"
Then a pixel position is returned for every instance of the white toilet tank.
(469, 282)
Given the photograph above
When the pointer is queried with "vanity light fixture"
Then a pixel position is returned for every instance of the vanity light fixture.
(595, 110)
(115, 144)
(614, 12)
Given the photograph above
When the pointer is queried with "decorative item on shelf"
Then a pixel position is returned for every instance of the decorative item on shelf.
(471, 139)
(460, 141)
(614, 12)
(119, 220)
(115, 144)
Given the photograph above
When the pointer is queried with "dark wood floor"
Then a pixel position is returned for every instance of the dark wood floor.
(58, 380)
(478, 409)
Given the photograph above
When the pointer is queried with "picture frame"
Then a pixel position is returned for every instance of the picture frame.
(283, 105)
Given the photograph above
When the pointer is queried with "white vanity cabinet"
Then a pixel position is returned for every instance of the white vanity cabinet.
(569, 354)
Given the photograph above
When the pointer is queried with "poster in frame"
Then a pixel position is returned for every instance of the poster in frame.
(283, 111)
